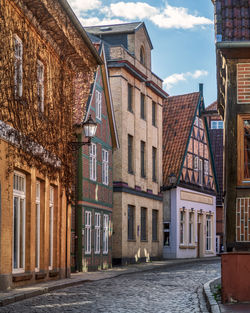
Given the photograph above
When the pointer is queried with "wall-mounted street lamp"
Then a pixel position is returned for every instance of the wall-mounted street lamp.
(172, 179)
(89, 128)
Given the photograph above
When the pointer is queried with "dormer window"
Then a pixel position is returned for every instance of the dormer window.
(142, 55)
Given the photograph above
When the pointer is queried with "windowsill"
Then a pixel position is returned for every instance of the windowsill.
(183, 247)
(154, 181)
(94, 180)
(21, 277)
(155, 241)
(97, 253)
(144, 240)
(18, 271)
(144, 177)
(105, 253)
(131, 173)
(40, 275)
(209, 252)
(144, 119)
(53, 273)
(154, 126)
(130, 111)
(131, 240)
(191, 246)
(87, 253)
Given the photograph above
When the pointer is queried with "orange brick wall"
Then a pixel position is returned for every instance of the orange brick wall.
(243, 83)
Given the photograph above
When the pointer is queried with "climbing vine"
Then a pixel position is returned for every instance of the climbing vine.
(39, 138)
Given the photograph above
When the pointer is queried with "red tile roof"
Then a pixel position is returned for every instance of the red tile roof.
(178, 116)
(232, 20)
(212, 106)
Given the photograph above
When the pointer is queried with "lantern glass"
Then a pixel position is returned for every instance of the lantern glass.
(90, 127)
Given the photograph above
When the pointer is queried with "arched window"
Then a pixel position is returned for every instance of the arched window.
(142, 55)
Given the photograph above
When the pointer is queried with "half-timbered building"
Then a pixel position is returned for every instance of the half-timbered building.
(92, 229)
(189, 183)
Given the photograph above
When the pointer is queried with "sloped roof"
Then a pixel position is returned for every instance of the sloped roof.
(178, 117)
(232, 20)
(115, 29)
(212, 106)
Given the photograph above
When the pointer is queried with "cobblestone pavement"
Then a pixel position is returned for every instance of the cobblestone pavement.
(175, 288)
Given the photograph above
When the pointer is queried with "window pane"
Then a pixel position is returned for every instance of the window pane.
(143, 172)
(130, 154)
(142, 106)
(154, 225)
(154, 164)
(15, 256)
(130, 98)
(143, 224)
(246, 148)
(22, 234)
(130, 222)
(153, 113)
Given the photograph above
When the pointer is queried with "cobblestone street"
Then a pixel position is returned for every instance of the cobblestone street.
(176, 288)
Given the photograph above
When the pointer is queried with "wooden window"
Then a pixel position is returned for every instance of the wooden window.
(166, 233)
(208, 233)
(182, 227)
(130, 98)
(92, 161)
(154, 225)
(40, 85)
(154, 154)
(87, 232)
(130, 154)
(51, 227)
(19, 213)
(143, 170)
(18, 66)
(105, 233)
(243, 219)
(143, 224)
(98, 104)
(105, 167)
(143, 116)
(153, 113)
(243, 147)
(131, 220)
(38, 218)
(97, 232)
(191, 228)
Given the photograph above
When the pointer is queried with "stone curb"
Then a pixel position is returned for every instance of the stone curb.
(73, 281)
(212, 303)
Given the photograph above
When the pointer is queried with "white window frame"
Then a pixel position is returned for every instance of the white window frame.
(40, 85)
(97, 232)
(105, 233)
(191, 229)
(200, 172)
(18, 66)
(98, 104)
(208, 232)
(182, 227)
(19, 193)
(88, 232)
(196, 163)
(38, 219)
(105, 167)
(217, 125)
(206, 167)
(92, 161)
(51, 226)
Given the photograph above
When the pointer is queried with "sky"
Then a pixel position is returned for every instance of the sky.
(182, 34)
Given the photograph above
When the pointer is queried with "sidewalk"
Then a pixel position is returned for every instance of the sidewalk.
(22, 293)
(223, 308)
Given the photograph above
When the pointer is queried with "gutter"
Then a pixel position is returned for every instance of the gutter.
(81, 30)
(232, 44)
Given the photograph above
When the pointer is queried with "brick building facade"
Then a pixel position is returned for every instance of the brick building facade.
(233, 64)
(137, 96)
(36, 87)
(93, 249)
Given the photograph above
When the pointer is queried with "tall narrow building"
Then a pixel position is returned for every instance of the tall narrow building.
(137, 96)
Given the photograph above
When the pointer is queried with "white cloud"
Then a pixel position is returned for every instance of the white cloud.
(133, 10)
(174, 79)
(178, 17)
(95, 21)
(80, 6)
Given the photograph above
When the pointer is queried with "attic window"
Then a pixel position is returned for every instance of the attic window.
(142, 55)
(105, 28)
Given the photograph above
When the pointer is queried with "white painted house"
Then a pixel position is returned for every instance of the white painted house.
(189, 181)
